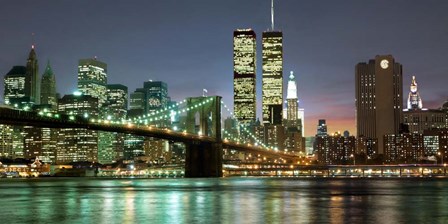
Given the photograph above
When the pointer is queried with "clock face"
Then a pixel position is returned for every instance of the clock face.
(384, 64)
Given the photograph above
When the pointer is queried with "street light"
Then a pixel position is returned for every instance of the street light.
(354, 159)
(441, 156)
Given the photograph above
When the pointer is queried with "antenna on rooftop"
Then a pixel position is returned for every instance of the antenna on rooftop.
(272, 15)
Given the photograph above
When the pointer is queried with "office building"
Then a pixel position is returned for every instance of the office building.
(48, 95)
(32, 78)
(77, 144)
(92, 79)
(14, 87)
(379, 98)
(244, 75)
(272, 81)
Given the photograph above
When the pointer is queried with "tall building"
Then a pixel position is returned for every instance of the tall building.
(294, 134)
(156, 95)
(32, 77)
(48, 95)
(379, 98)
(117, 101)
(272, 81)
(414, 99)
(244, 75)
(92, 79)
(110, 144)
(14, 89)
(77, 144)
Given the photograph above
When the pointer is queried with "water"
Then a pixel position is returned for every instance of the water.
(224, 200)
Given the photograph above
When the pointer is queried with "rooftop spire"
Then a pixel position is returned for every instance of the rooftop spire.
(272, 15)
(292, 87)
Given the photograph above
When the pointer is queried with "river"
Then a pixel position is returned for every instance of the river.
(224, 200)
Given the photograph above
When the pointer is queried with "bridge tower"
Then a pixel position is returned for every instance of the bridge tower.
(204, 158)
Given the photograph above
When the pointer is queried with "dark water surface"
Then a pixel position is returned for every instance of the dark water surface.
(224, 200)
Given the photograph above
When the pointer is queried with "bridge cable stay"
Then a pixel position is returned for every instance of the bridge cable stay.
(244, 129)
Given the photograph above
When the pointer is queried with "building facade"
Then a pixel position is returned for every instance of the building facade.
(379, 98)
(92, 79)
(272, 81)
(77, 144)
(32, 78)
(48, 95)
(244, 75)
(14, 87)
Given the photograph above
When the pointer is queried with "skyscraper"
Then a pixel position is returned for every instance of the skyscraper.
(48, 88)
(272, 82)
(292, 101)
(77, 144)
(92, 79)
(414, 99)
(117, 100)
(14, 89)
(244, 75)
(31, 84)
(379, 92)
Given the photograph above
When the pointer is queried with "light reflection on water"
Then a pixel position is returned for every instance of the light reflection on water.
(224, 200)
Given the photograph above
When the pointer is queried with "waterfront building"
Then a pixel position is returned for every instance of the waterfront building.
(110, 144)
(6, 133)
(429, 146)
(244, 75)
(77, 144)
(379, 98)
(48, 95)
(335, 149)
(92, 79)
(32, 77)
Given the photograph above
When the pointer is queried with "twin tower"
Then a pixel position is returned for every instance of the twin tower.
(244, 76)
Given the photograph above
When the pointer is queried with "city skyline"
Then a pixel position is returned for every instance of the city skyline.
(308, 50)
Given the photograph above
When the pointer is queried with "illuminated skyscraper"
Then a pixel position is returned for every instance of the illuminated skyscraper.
(48, 88)
(414, 99)
(31, 84)
(272, 82)
(14, 89)
(110, 144)
(117, 101)
(92, 79)
(379, 98)
(77, 144)
(244, 75)
(292, 101)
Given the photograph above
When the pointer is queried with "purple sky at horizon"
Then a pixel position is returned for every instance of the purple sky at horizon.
(188, 44)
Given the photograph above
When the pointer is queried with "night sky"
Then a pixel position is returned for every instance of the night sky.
(188, 44)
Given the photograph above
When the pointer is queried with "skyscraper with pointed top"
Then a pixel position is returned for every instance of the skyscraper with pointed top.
(272, 81)
(48, 88)
(414, 99)
(32, 75)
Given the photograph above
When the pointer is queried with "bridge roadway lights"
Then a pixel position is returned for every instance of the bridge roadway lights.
(203, 159)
